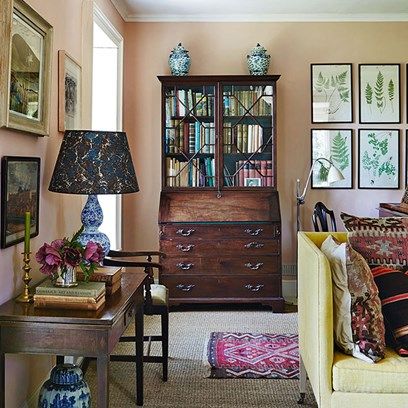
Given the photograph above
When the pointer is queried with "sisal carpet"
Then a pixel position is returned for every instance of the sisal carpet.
(252, 355)
(187, 387)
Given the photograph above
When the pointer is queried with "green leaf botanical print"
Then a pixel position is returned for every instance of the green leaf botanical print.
(378, 161)
(391, 94)
(334, 90)
(323, 172)
(369, 95)
(379, 91)
(339, 151)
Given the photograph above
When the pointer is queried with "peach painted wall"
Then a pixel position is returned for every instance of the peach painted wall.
(221, 48)
(59, 213)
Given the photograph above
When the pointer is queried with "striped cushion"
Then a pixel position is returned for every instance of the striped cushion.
(393, 288)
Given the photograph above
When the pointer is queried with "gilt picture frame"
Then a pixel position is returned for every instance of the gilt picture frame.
(69, 92)
(20, 192)
(380, 93)
(331, 93)
(25, 81)
(379, 159)
(336, 146)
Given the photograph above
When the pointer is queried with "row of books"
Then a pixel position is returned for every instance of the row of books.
(86, 296)
(237, 103)
(187, 102)
(198, 172)
(256, 173)
(190, 137)
(242, 138)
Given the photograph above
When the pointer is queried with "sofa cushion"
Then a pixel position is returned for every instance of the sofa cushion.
(358, 321)
(393, 289)
(381, 241)
(389, 375)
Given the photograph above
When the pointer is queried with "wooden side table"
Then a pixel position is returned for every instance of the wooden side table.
(25, 329)
(393, 210)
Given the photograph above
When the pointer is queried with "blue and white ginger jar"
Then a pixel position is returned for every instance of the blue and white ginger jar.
(179, 61)
(258, 61)
(65, 388)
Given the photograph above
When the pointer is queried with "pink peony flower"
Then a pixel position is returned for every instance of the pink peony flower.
(58, 244)
(72, 256)
(93, 252)
(50, 259)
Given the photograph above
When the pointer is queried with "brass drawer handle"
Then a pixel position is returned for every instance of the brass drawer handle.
(254, 232)
(185, 233)
(185, 288)
(254, 245)
(254, 266)
(254, 288)
(185, 248)
(184, 266)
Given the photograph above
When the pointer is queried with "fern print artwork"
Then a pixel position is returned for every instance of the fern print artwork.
(378, 158)
(379, 93)
(334, 145)
(331, 93)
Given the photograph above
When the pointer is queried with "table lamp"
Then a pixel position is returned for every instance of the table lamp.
(94, 162)
(334, 174)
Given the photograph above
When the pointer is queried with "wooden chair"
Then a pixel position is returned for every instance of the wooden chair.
(320, 217)
(156, 303)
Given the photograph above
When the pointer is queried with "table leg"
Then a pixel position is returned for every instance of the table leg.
(139, 354)
(102, 367)
(2, 381)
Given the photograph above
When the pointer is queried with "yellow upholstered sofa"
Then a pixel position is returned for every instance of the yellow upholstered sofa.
(338, 380)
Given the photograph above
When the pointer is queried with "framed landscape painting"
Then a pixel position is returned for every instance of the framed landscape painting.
(69, 92)
(380, 93)
(335, 145)
(378, 158)
(332, 93)
(20, 192)
(25, 77)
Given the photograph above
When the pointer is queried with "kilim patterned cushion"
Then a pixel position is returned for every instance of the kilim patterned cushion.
(393, 288)
(381, 241)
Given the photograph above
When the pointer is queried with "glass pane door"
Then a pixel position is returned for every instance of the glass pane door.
(247, 141)
(189, 136)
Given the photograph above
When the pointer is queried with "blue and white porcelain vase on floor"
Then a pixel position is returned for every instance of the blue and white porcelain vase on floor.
(65, 388)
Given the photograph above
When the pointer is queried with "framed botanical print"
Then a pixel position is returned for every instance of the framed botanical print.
(69, 92)
(25, 78)
(332, 147)
(378, 158)
(380, 93)
(332, 93)
(20, 192)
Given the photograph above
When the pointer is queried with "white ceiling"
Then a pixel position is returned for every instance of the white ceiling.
(263, 10)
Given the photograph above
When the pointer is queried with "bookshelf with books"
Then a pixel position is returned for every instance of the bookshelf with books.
(219, 140)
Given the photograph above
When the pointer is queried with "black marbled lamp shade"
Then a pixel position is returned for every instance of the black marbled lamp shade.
(94, 162)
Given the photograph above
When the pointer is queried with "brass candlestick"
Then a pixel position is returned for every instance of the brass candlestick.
(26, 297)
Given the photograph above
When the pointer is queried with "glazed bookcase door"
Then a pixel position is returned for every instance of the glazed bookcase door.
(248, 136)
(189, 140)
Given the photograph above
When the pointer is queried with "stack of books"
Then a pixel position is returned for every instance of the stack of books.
(110, 275)
(85, 296)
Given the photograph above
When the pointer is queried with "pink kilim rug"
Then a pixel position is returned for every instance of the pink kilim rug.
(248, 355)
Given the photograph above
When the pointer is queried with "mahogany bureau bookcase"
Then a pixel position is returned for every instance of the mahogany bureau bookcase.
(219, 214)
(88, 333)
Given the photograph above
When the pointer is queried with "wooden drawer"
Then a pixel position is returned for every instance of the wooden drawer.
(244, 265)
(234, 286)
(243, 247)
(219, 231)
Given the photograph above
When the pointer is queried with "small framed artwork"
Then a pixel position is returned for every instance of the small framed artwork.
(380, 93)
(20, 192)
(332, 147)
(252, 182)
(332, 93)
(26, 77)
(378, 158)
(69, 92)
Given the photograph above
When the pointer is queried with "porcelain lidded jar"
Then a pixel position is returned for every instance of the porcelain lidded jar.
(258, 61)
(65, 388)
(179, 61)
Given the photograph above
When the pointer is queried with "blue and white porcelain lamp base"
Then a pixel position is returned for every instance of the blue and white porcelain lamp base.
(92, 217)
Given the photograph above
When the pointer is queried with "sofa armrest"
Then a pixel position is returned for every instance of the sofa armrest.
(315, 305)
